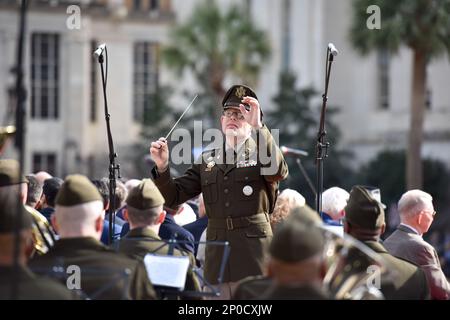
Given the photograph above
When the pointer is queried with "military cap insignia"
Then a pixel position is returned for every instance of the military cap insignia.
(210, 165)
(240, 92)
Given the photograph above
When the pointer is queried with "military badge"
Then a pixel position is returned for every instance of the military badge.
(240, 92)
(210, 165)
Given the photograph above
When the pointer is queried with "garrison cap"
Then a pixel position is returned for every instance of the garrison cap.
(76, 190)
(9, 173)
(363, 209)
(376, 193)
(5, 133)
(8, 213)
(295, 241)
(145, 195)
(305, 214)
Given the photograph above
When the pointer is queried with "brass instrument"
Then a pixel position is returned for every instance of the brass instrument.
(42, 232)
(353, 271)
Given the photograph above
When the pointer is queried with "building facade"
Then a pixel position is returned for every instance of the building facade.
(66, 129)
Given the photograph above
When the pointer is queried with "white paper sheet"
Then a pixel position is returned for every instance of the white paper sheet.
(168, 271)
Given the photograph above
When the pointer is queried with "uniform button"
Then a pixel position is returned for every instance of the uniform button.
(225, 178)
(226, 190)
(206, 181)
(227, 204)
(246, 178)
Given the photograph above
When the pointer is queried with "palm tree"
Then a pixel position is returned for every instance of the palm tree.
(423, 26)
(214, 45)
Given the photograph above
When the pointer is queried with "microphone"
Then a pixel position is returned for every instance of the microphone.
(99, 51)
(333, 49)
(293, 152)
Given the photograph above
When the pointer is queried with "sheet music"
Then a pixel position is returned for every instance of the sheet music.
(168, 271)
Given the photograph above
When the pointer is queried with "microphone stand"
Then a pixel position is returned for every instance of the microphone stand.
(322, 145)
(113, 167)
(306, 176)
(19, 144)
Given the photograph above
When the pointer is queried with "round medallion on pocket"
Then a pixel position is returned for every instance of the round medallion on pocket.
(247, 190)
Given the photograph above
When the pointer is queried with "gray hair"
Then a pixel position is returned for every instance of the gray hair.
(414, 201)
(34, 190)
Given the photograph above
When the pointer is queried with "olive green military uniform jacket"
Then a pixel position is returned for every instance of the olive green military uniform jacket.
(31, 286)
(303, 292)
(141, 241)
(120, 277)
(251, 288)
(238, 197)
(409, 281)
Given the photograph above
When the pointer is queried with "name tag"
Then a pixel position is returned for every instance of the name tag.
(246, 164)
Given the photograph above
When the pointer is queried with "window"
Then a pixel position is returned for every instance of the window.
(94, 82)
(286, 34)
(145, 76)
(383, 61)
(137, 5)
(44, 75)
(428, 99)
(44, 162)
(154, 5)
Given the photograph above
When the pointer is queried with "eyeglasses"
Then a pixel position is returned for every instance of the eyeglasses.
(237, 114)
(432, 213)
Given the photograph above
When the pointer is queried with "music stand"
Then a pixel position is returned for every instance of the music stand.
(167, 291)
(58, 271)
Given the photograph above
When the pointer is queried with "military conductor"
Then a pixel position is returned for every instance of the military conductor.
(239, 182)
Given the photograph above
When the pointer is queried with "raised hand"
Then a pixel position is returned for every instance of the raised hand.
(252, 116)
(159, 152)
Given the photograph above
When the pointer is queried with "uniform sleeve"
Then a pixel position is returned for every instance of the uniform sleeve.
(274, 167)
(179, 190)
(192, 281)
(140, 285)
